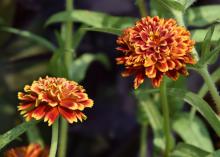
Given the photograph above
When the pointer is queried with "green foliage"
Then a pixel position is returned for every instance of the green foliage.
(199, 34)
(202, 15)
(92, 18)
(206, 45)
(26, 34)
(56, 65)
(12, 134)
(193, 131)
(186, 150)
(113, 31)
(202, 106)
(34, 136)
(81, 64)
(154, 118)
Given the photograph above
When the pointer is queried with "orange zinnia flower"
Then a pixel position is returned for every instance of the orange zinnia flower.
(155, 47)
(32, 150)
(50, 97)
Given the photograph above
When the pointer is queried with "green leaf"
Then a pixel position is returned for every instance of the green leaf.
(153, 116)
(92, 18)
(113, 31)
(56, 65)
(211, 56)
(173, 4)
(203, 15)
(186, 150)
(188, 3)
(34, 136)
(12, 134)
(214, 154)
(81, 64)
(199, 34)
(201, 105)
(78, 36)
(206, 45)
(193, 131)
(38, 39)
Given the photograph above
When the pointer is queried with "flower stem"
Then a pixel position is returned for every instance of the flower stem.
(212, 88)
(142, 7)
(143, 141)
(166, 121)
(68, 56)
(54, 140)
(63, 138)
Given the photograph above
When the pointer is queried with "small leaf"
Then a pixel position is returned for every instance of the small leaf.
(206, 45)
(56, 65)
(92, 18)
(113, 31)
(81, 64)
(211, 57)
(186, 150)
(193, 131)
(38, 39)
(201, 105)
(78, 36)
(202, 15)
(12, 134)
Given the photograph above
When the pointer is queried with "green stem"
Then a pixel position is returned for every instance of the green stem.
(68, 56)
(212, 88)
(63, 138)
(54, 140)
(67, 33)
(143, 141)
(166, 122)
(142, 5)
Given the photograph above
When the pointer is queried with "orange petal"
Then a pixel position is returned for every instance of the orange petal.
(157, 80)
(23, 106)
(51, 115)
(173, 74)
(69, 115)
(139, 79)
(39, 112)
(69, 103)
(150, 72)
(26, 97)
(88, 103)
(163, 67)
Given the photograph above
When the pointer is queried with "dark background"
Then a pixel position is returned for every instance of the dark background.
(111, 129)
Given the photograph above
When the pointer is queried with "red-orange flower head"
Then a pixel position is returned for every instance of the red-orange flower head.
(32, 150)
(155, 47)
(50, 97)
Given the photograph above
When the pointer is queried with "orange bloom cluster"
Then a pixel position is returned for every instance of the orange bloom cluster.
(155, 47)
(50, 97)
(32, 150)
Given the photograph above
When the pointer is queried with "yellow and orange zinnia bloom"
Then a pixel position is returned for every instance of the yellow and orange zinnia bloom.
(32, 150)
(155, 47)
(50, 97)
